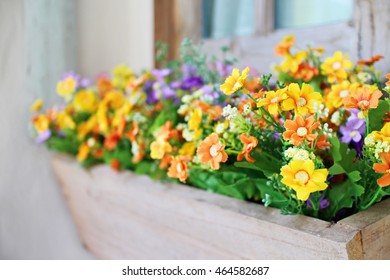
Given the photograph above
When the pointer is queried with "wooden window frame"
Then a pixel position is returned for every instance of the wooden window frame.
(361, 38)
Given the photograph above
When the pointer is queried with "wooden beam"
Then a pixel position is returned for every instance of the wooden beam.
(164, 23)
(175, 20)
(126, 216)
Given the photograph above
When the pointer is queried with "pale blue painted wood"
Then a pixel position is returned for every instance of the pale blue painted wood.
(50, 45)
(306, 13)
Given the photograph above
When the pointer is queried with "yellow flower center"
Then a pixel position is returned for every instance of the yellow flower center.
(302, 176)
(344, 93)
(301, 101)
(214, 150)
(336, 65)
(363, 103)
(237, 85)
(353, 133)
(275, 99)
(302, 131)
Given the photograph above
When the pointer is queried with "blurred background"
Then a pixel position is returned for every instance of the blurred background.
(42, 39)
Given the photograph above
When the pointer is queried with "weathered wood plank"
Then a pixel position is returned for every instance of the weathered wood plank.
(125, 216)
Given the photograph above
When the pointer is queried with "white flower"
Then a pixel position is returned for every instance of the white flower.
(247, 109)
(134, 148)
(181, 126)
(369, 140)
(188, 135)
(298, 154)
(138, 117)
(336, 118)
(186, 98)
(91, 142)
(220, 128)
(197, 93)
(230, 112)
(182, 109)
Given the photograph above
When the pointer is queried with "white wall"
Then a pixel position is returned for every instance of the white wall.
(38, 42)
(114, 32)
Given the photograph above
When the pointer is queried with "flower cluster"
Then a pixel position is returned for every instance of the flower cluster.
(316, 143)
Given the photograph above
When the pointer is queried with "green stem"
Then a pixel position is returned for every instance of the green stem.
(367, 125)
(373, 199)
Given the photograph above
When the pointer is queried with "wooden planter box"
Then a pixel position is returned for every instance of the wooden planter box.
(126, 216)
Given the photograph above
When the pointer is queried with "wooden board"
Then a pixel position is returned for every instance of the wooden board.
(126, 216)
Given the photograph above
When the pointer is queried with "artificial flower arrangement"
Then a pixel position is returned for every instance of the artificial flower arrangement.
(316, 143)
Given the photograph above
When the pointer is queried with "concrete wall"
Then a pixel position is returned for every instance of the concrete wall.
(39, 40)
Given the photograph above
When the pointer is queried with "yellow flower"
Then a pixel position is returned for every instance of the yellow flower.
(102, 120)
(383, 135)
(335, 67)
(272, 100)
(115, 99)
(66, 87)
(159, 148)
(303, 178)
(291, 63)
(284, 47)
(83, 152)
(86, 127)
(41, 123)
(85, 101)
(195, 119)
(38, 104)
(302, 101)
(121, 76)
(234, 82)
(338, 93)
(188, 149)
(65, 121)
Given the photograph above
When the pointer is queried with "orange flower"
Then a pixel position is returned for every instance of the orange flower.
(284, 47)
(322, 142)
(371, 61)
(363, 98)
(104, 85)
(111, 141)
(250, 143)
(165, 161)
(178, 168)
(306, 72)
(383, 167)
(300, 130)
(211, 151)
(388, 78)
(98, 153)
(115, 164)
(132, 133)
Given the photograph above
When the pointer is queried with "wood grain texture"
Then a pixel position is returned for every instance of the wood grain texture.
(125, 216)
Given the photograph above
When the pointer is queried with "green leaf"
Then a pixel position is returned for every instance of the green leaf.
(271, 196)
(376, 115)
(264, 163)
(341, 196)
(343, 157)
(335, 148)
(336, 169)
(354, 176)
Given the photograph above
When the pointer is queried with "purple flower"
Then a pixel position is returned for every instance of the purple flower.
(81, 82)
(223, 69)
(353, 129)
(188, 70)
(43, 136)
(209, 91)
(323, 203)
(160, 74)
(191, 82)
